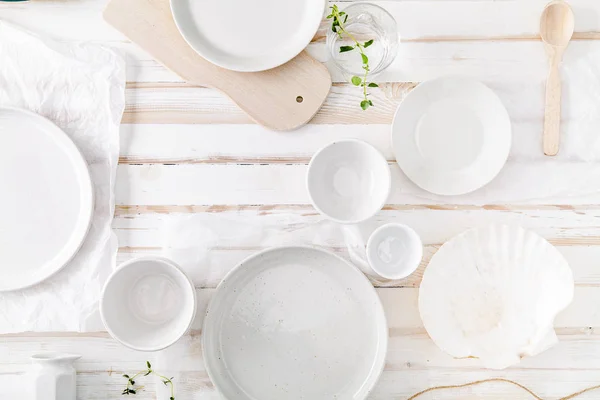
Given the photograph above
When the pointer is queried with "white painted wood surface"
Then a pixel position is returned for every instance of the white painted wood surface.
(188, 150)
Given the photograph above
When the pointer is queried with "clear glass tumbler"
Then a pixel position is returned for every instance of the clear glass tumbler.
(365, 22)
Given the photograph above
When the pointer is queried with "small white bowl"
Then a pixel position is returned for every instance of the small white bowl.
(394, 251)
(348, 181)
(148, 303)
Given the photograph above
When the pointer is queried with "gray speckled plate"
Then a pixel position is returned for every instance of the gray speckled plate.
(295, 323)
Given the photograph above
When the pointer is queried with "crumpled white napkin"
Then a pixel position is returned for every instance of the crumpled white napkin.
(81, 88)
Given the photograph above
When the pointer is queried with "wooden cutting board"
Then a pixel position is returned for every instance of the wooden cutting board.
(282, 98)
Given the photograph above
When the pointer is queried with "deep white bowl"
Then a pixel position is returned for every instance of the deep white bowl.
(148, 303)
(348, 181)
(394, 251)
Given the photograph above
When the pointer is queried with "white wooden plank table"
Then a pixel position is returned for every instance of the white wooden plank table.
(188, 150)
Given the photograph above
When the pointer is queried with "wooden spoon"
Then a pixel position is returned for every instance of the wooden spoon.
(556, 28)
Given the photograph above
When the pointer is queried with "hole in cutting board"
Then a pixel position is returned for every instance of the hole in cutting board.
(299, 99)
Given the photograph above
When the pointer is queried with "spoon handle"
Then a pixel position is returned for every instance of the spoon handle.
(552, 114)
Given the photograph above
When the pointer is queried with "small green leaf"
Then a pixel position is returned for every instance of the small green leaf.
(330, 16)
(364, 104)
(148, 364)
(147, 373)
(368, 43)
(131, 391)
(344, 49)
(342, 13)
(370, 103)
(356, 80)
(373, 84)
(365, 59)
(171, 398)
(345, 18)
(131, 382)
(125, 376)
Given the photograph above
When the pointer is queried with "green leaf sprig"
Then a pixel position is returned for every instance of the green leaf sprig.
(132, 388)
(339, 18)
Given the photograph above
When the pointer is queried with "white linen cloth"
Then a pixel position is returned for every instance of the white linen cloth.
(80, 87)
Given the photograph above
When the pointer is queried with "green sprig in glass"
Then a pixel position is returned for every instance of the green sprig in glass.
(339, 18)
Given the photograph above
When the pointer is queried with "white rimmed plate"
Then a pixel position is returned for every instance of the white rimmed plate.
(248, 36)
(295, 323)
(451, 135)
(46, 201)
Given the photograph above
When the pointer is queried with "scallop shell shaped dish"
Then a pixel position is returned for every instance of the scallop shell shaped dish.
(493, 293)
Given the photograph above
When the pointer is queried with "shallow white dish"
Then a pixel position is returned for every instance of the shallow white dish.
(394, 251)
(248, 36)
(348, 181)
(451, 135)
(47, 199)
(148, 303)
(492, 293)
(294, 323)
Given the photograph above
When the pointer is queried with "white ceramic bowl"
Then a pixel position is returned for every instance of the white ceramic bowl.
(348, 181)
(148, 303)
(394, 251)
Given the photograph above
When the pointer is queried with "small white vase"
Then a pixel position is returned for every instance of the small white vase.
(54, 376)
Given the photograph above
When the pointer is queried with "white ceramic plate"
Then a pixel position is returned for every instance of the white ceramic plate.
(295, 323)
(451, 135)
(248, 35)
(46, 201)
(492, 293)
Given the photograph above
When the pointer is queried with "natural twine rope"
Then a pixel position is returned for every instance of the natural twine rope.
(437, 388)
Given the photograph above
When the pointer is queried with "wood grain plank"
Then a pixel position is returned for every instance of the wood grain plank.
(411, 353)
(82, 20)
(392, 385)
(253, 144)
(419, 59)
(409, 346)
(493, 63)
(217, 243)
(432, 45)
(582, 258)
(272, 184)
(237, 144)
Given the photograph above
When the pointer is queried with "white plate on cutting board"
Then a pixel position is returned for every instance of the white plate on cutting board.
(295, 323)
(46, 201)
(451, 135)
(248, 35)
